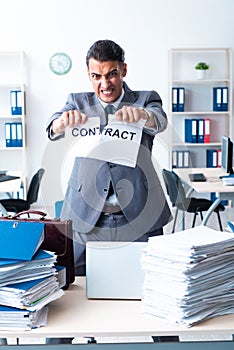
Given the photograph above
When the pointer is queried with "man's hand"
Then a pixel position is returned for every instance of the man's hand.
(68, 119)
(130, 114)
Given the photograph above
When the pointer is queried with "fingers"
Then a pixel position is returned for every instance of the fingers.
(72, 118)
(131, 114)
(68, 119)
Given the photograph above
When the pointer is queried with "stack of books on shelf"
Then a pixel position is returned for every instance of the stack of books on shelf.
(220, 99)
(16, 102)
(181, 159)
(189, 275)
(13, 134)
(213, 158)
(28, 277)
(197, 130)
(178, 97)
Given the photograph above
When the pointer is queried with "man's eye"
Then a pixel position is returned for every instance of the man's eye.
(95, 76)
(113, 74)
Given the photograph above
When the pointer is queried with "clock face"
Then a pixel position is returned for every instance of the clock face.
(60, 63)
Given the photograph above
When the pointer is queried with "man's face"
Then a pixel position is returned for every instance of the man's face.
(107, 79)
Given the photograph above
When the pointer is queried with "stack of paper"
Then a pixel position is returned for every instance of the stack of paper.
(228, 180)
(29, 286)
(189, 275)
(28, 279)
(30, 295)
(15, 319)
(41, 265)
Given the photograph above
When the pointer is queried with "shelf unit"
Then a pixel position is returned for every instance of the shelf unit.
(198, 99)
(13, 77)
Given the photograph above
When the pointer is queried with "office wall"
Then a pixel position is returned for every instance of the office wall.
(145, 29)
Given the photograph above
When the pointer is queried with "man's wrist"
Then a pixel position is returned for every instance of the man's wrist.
(53, 133)
(150, 120)
(149, 115)
(56, 127)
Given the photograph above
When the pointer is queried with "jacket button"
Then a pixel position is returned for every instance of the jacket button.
(105, 190)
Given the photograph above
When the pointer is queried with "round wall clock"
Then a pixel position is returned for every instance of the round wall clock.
(60, 63)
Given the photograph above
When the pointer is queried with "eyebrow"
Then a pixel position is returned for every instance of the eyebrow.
(99, 75)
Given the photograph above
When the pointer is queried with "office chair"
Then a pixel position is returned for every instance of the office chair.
(18, 205)
(58, 208)
(177, 195)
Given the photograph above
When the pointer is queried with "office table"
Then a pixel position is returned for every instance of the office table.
(75, 316)
(213, 184)
(10, 185)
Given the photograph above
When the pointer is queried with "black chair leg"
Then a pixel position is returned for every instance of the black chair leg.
(174, 223)
(194, 219)
(219, 219)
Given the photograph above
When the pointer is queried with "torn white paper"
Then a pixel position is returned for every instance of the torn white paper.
(118, 143)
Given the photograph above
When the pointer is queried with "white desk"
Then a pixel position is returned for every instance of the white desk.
(213, 184)
(75, 316)
(7, 187)
(10, 186)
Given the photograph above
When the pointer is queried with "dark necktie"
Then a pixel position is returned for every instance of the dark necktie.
(109, 109)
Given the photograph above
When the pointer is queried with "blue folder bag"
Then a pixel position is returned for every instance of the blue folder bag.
(58, 238)
(20, 240)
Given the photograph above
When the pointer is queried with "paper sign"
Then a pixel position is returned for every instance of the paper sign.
(118, 143)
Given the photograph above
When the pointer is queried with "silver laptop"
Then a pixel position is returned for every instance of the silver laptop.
(113, 270)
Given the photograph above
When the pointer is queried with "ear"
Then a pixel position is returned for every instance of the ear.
(124, 70)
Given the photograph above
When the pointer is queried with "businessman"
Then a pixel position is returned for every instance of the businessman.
(107, 201)
(104, 200)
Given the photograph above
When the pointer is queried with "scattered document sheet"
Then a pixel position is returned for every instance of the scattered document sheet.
(189, 275)
(118, 143)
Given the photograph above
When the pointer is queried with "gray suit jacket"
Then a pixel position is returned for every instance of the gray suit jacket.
(138, 189)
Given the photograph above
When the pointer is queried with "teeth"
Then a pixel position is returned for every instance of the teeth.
(106, 92)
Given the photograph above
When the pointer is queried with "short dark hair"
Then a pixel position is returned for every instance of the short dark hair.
(105, 50)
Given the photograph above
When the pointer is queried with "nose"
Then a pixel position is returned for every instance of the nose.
(105, 82)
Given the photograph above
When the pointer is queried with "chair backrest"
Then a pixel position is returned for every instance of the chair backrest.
(174, 187)
(58, 208)
(34, 186)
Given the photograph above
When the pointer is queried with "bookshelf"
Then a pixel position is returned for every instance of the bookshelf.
(12, 85)
(198, 102)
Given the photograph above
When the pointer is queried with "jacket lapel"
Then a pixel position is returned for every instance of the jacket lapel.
(129, 97)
